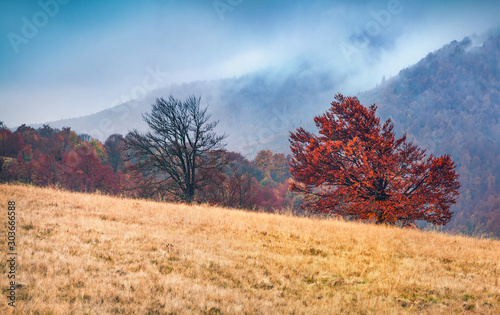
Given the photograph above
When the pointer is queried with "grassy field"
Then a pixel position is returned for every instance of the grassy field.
(93, 254)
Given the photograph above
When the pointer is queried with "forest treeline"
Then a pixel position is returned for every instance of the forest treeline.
(449, 103)
(76, 162)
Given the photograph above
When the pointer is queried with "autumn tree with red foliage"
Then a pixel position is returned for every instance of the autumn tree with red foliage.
(272, 198)
(356, 168)
(82, 170)
(10, 143)
(45, 173)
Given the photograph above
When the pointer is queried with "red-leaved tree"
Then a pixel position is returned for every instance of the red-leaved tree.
(81, 170)
(356, 168)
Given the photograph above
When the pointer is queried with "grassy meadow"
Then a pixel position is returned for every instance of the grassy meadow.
(93, 254)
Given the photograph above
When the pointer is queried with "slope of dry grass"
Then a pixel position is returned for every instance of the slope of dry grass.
(95, 254)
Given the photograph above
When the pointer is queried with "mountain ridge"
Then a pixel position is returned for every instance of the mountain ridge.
(249, 108)
(447, 103)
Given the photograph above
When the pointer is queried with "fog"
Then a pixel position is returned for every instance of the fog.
(73, 58)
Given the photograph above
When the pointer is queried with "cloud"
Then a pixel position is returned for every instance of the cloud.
(91, 52)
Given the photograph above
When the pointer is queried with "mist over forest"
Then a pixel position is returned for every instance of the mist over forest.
(250, 156)
(447, 103)
(265, 69)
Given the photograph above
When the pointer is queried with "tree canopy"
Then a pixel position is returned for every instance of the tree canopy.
(181, 141)
(357, 168)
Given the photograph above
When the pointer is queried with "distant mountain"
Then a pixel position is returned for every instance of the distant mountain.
(448, 103)
(249, 108)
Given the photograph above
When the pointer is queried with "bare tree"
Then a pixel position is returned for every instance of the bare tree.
(181, 141)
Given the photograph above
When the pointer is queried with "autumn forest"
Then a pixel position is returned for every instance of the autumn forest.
(52, 157)
(444, 107)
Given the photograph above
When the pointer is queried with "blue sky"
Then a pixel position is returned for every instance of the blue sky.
(68, 58)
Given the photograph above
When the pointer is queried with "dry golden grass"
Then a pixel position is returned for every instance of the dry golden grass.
(81, 253)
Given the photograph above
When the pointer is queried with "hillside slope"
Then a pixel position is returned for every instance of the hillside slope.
(96, 254)
(448, 103)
